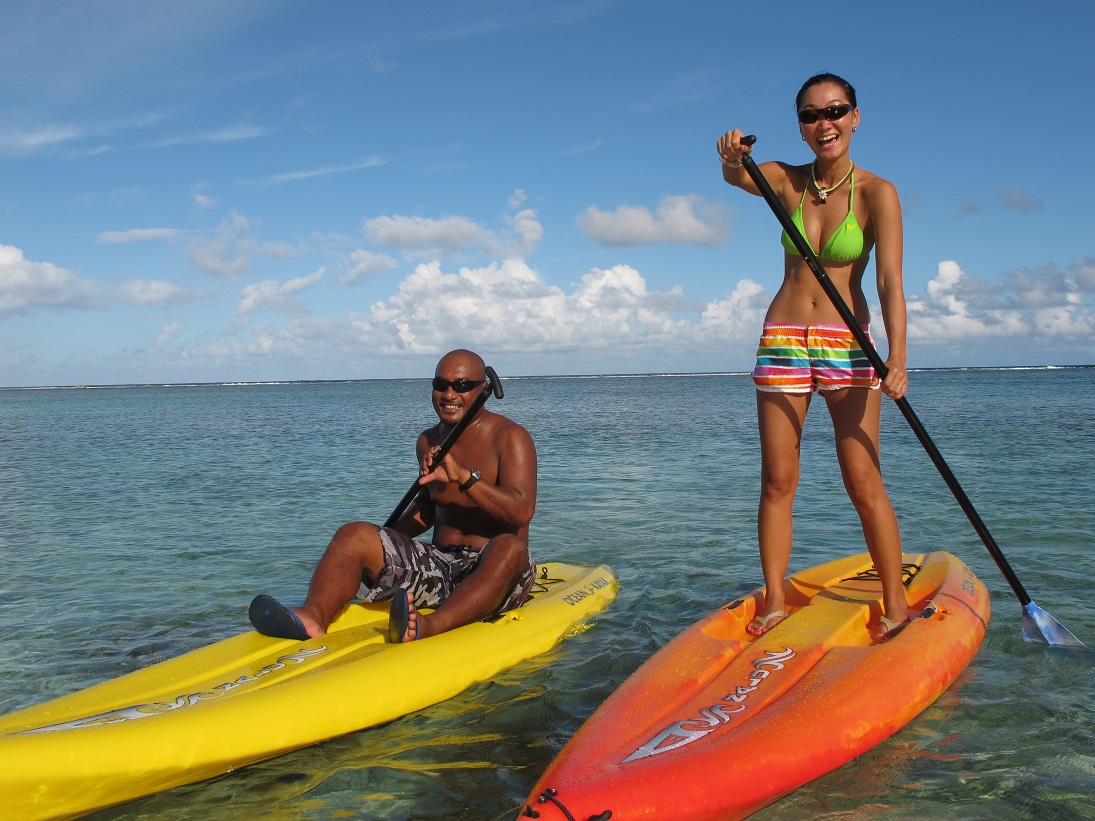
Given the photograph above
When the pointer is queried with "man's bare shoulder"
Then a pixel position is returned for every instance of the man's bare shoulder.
(504, 430)
(504, 422)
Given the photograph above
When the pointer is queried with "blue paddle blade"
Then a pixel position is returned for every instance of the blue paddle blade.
(1039, 626)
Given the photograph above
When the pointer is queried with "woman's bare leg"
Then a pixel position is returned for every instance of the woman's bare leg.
(780, 417)
(855, 413)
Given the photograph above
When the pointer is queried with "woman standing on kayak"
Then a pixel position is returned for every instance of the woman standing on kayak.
(843, 212)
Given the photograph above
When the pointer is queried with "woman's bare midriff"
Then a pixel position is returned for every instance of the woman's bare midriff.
(802, 301)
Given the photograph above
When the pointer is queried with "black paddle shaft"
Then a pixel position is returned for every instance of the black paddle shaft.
(780, 210)
(493, 385)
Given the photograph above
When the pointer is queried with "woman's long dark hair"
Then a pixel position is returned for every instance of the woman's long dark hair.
(825, 77)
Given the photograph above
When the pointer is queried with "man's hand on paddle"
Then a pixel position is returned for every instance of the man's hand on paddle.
(448, 471)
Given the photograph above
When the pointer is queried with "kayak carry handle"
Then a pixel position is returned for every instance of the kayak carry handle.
(549, 795)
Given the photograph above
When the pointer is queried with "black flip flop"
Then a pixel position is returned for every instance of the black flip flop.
(272, 618)
(400, 616)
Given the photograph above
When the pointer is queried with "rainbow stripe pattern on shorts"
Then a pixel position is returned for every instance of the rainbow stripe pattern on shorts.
(807, 358)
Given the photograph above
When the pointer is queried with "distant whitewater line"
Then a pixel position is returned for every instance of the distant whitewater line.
(651, 375)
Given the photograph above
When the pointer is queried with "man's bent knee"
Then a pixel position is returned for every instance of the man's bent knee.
(357, 530)
(361, 539)
(508, 550)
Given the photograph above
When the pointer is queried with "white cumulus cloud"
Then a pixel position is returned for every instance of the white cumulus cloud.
(27, 285)
(737, 315)
(271, 295)
(364, 265)
(425, 238)
(508, 306)
(448, 234)
(687, 220)
(1040, 305)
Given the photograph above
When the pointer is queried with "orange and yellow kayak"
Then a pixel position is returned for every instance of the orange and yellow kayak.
(718, 724)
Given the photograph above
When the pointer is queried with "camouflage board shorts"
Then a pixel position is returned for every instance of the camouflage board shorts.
(431, 572)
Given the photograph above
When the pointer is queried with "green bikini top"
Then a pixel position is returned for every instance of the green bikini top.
(846, 242)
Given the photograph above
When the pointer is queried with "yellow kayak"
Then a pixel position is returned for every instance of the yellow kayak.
(252, 697)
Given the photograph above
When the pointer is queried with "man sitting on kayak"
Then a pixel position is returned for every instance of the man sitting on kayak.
(479, 501)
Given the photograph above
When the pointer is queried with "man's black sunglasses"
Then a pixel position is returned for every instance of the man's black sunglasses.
(809, 116)
(458, 385)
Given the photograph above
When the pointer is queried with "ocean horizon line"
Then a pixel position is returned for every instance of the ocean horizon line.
(642, 375)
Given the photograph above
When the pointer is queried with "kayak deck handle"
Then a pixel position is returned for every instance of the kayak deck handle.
(549, 795)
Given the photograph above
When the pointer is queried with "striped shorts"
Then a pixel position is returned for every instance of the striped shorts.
(808, 358)
(432, 572)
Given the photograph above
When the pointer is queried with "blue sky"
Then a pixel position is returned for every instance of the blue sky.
(266, 190)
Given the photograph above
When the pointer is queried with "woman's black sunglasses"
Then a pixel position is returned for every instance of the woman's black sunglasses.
(458, 385)
(809, 116)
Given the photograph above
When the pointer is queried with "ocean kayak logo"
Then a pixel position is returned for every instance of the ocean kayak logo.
(711, 718)
(595, 585)
(161, 707)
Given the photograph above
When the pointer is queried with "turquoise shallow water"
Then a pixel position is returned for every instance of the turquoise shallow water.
(136, 524)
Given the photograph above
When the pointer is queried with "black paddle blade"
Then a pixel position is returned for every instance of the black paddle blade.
(1040, 627)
